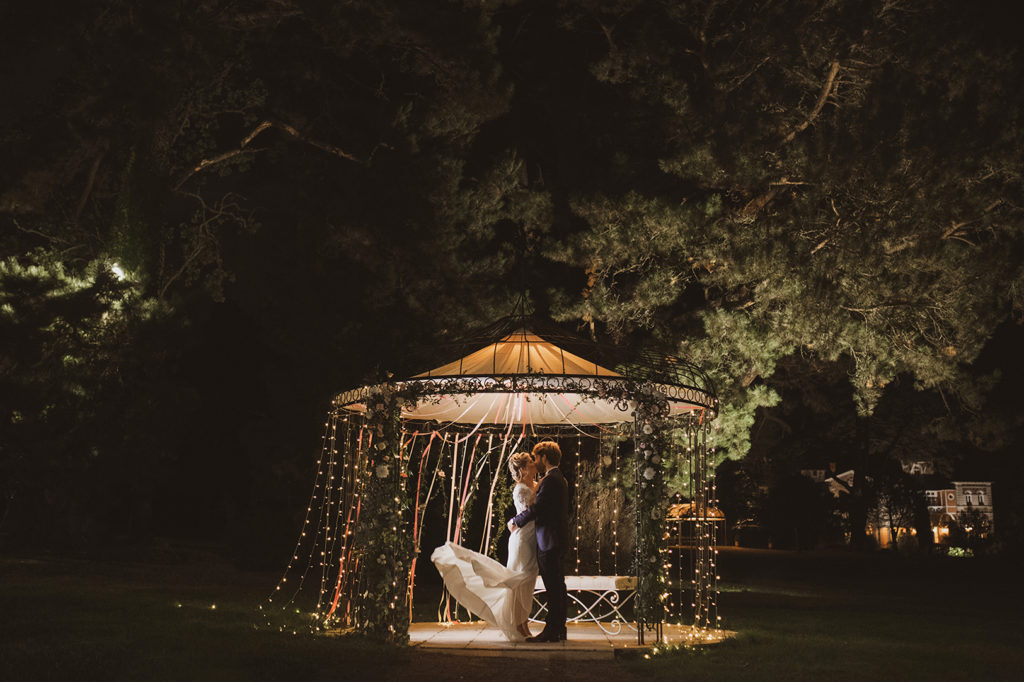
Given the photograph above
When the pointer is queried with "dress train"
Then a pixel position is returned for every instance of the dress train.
(500, 595)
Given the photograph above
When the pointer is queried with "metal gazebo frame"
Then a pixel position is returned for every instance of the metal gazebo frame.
(657, 395)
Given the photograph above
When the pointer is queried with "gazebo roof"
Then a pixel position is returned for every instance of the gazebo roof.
(521, 352)
(517, 373)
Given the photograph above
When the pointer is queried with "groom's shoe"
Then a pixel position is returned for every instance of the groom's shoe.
(563, 636)
(543, 637)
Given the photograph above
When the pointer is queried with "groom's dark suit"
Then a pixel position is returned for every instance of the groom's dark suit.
(550, 511)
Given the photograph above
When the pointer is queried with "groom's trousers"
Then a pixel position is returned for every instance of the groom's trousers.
(553, 575)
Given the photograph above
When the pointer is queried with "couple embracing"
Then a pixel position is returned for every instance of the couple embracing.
(503, 595)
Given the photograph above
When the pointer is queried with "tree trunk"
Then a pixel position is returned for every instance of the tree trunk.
(923, 524)
(858, 496)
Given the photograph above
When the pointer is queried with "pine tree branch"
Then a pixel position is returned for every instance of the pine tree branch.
(203, 239)
(52, 238)
(885, 306)
(839, 219)
(749, 377)
(325, 146)
(755, 205)
(953, 229)
(740, 80)
(243, 148)
(89, 184)
(826, 90)
(954, 233)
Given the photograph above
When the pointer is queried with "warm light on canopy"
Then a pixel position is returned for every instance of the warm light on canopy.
(523, 378)
(521, 352)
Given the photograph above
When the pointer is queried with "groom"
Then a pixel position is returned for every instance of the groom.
(550, 510)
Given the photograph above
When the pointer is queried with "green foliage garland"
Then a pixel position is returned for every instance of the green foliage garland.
(652, 446)
(502, 501)
(387, 544)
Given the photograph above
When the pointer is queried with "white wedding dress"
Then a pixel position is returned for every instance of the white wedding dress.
(500, 595)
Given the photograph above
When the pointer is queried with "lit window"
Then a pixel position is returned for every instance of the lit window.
(967, 496)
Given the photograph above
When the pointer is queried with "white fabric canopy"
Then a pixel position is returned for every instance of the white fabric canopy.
(521, 352)
(518, 408)
(520, 379)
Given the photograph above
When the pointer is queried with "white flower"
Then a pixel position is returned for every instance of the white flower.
(648, 428)
(382, 471)
(606, 460)
(649, 473)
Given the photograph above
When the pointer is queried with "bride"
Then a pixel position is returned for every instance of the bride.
(500, 595)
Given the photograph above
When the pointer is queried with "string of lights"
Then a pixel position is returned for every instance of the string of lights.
(598, 509)
(578, 492)
(302, 535)
(405, 466)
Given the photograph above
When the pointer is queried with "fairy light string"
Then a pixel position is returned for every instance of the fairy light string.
(453, 482)
(578, 492)
(599, 510)
(376, 474)
(617, 496)
(417, 520)
(355, 479)
(302, 535)
(485, 541)
(326, 508)
(320, 494)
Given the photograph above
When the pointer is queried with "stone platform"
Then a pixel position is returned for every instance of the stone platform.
(585, 640)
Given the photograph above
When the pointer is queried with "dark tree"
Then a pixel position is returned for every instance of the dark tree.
(301, 196)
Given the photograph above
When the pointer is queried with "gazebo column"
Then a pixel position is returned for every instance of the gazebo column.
(386, 546)
(651, 438)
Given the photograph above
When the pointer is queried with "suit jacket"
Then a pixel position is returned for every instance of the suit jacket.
(550, 511)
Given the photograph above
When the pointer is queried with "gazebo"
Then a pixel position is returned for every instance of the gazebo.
(440, 439)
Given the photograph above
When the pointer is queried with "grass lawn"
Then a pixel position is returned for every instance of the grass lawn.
(827, 615)
(841, 616)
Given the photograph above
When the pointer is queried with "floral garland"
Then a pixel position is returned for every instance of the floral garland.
(387, 547)
(651, 439)
(502, 501)
(618, 391)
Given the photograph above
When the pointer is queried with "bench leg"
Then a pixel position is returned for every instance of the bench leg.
(603, 605)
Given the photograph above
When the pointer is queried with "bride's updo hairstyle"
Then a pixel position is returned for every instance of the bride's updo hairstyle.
(516, 463)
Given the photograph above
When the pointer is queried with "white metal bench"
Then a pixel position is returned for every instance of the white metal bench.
(597, 597)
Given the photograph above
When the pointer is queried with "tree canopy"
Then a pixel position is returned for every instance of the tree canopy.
(301, 194)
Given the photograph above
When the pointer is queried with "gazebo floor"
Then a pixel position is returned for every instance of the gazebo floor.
(585, 640)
